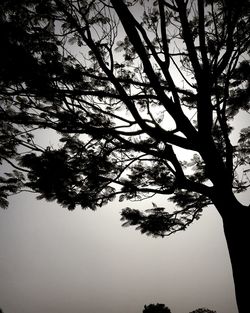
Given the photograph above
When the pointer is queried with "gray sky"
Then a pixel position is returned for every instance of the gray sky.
(53, 260)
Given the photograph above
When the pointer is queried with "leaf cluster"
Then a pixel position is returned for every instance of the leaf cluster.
(69, 179)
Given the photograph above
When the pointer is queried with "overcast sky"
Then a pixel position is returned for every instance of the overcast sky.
(53, 260)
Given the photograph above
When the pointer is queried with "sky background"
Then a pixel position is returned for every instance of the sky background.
(53, 260)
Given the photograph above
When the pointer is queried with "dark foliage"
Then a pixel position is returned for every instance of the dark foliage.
(203, 310)
(156, 308)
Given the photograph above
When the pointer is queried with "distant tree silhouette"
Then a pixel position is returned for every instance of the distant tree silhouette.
(156, 308)
(161, 308)
(203, 310)
(125, 106)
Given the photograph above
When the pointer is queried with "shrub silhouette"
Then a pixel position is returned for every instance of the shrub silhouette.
(156, 308)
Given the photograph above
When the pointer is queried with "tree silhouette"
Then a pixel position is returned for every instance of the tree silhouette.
(161, 308)
(156, 308)
(126, 106)
(203, 310)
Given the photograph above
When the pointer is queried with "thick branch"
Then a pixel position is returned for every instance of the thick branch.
(174, 110)
(202, 37)
(188, 38)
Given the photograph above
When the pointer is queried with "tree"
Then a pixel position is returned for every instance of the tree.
(156, 308)
(203, 310)
(126, 106)
(161, 308)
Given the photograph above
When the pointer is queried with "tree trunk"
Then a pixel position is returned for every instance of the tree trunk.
(236, 218)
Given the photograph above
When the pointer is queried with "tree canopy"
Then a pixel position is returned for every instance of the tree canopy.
(162, 308)
(156, 308)
(203, 310)
(123, 103)
(128, 86)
